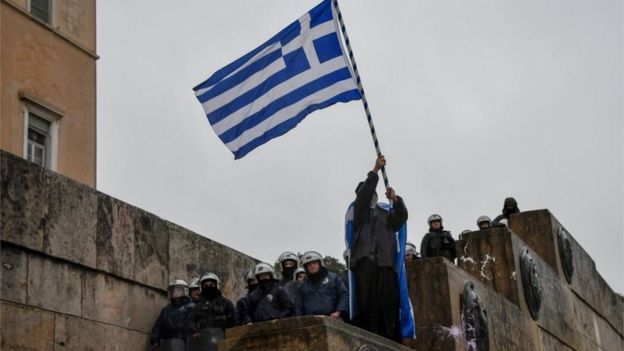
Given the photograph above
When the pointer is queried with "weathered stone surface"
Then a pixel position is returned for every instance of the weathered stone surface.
(144, 305)
(303, 334)
(26, 328)
(594, 290)
(191, 255)
(115, 236)
(538, 229)
(432, 306)
(86, 335)
(436, 287)
(551, 343)
(72, 333)
(71, 225)
(488, 256)
(151, 250)
(54, 285)
(556, 315)
(14, 274)
(23, 201)
(105, 299)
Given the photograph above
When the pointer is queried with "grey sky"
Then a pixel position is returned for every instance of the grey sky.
(473, 101)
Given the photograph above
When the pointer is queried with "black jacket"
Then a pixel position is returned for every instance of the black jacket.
(269, 303)
(375, 228)
(322, 296)
(174, 321)
(438, 244)
(214, 313)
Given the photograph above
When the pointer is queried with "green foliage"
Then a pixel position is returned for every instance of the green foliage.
(333, 264)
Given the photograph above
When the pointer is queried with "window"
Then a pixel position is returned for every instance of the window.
(38, 142)
(42, 10)
(40, 133)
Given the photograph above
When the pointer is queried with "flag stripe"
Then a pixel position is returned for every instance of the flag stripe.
(285, 101)
(274, 87)
(285, 107)
(239, 77)
(228, 96)
(284, 37)
(291, 123)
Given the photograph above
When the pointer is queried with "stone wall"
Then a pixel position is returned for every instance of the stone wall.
(82, 270)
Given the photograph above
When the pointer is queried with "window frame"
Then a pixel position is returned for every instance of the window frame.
(51, 116)
(51, 8)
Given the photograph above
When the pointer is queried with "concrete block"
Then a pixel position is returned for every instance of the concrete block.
(304, 334)
(538, 229)
(14, 275)
(23, 201)
(54, 285)
(25, 328)
(488, 256)
(191, 255)
(436, 286)
(151, 250)
(124, 339)
(72, 333)
(105, 299)
(71, 226)
(144, 305)
(557, 309)
(115, 236)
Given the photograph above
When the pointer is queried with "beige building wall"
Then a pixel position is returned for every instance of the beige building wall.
(51, 66)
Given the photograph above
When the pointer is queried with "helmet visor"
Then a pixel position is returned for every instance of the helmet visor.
(176, 291)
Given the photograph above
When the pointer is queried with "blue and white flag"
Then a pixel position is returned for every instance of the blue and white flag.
(267, 92)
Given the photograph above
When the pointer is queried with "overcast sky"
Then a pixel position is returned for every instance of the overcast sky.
(473, 101)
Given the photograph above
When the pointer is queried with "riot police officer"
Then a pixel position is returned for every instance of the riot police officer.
(174, 323)
(410, 252)
(213, 310)
(269, 301)
(288, 264)
(484, 222)
(438, 242)
(242, 305)
(194, 290)
(323, 292)
(300, 275)
(510, 206)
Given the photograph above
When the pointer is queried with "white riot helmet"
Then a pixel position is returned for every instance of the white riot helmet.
(263, 267)
(311, 256)
(177, 289)
(410, 248)
(209, 276)
(250, 275)
(288, 255)
(434, 217)
(194, 283)
(298, 271)
(482, 219)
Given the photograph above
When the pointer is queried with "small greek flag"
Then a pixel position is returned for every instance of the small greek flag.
(267, 92)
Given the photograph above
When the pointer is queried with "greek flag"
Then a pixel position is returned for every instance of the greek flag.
(267, 92)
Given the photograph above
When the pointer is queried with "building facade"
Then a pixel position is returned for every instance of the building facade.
(48, 84)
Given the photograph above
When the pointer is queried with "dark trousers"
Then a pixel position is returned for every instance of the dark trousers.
(377, 299)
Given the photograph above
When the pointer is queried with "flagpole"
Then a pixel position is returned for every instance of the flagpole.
(359, 83)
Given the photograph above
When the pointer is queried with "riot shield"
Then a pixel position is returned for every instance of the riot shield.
(207, 340)
(172, 345)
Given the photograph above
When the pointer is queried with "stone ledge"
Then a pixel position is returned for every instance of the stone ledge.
(310, 333)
